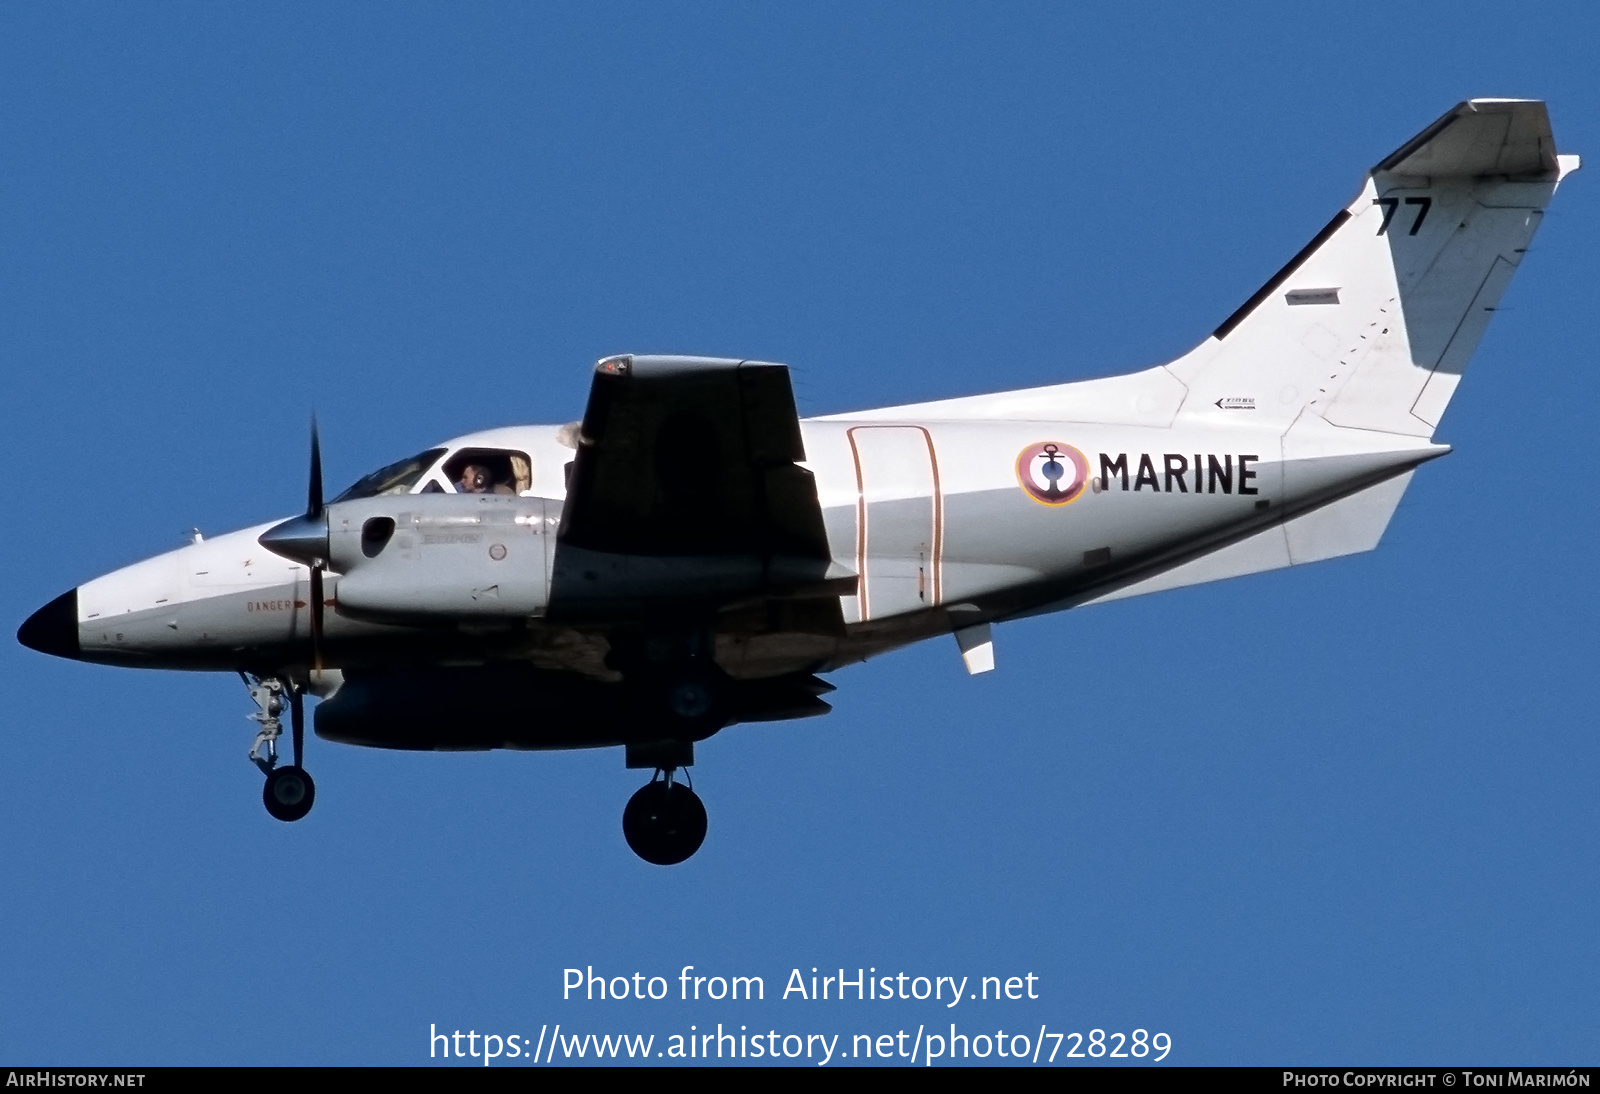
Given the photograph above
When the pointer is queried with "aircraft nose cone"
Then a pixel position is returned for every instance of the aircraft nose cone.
(53, 629)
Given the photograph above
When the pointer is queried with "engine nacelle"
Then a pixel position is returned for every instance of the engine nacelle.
(510, 705)
(443, 557)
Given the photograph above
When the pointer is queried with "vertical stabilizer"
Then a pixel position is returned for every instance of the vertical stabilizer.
(1372, 324)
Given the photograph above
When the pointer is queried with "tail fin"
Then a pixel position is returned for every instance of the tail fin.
(1372, 324)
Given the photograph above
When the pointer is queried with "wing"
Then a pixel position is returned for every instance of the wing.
(692, 456)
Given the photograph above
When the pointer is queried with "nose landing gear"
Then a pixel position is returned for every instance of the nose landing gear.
(664, 821)
(289, 792)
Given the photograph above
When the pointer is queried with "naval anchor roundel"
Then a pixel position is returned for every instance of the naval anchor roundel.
(1053, 473)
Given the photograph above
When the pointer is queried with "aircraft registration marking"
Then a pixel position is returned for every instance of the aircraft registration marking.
(1390, 205)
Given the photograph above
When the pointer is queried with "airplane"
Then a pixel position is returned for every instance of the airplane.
(693, 555)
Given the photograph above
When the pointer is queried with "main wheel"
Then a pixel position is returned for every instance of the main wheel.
(289, 793)
(664, 824)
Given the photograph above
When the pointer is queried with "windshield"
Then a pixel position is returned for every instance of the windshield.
(397, 478)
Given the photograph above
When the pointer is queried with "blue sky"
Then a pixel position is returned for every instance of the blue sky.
(1340, 814)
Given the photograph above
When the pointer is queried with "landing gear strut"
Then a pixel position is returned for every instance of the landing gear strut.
(289, 792)
(664, 822)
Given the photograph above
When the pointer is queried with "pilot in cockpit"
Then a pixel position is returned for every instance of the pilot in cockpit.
(488, 471)
(475, 479)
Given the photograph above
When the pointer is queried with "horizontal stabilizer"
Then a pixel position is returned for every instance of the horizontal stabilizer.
(1508, 137)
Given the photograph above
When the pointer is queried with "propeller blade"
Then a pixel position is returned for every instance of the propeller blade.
(316, 618)
(314, 498)
(297, 721)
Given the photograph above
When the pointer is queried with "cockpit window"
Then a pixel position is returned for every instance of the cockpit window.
(489, 471)
(397, 478)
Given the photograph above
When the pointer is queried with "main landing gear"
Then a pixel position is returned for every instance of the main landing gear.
(686, 701)
(664, 822)
(289, 792)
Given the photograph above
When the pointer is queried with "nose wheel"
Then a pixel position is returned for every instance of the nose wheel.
(664, 822)
(289, 792)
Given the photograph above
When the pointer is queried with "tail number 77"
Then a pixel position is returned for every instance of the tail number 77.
(1423, 204)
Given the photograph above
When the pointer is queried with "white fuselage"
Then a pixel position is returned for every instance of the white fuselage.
(941, 521)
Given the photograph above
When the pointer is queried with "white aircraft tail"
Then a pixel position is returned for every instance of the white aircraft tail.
(1352, 351)
(1371, 325)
